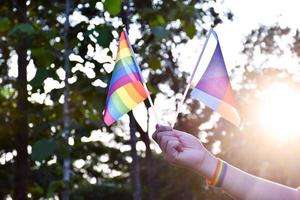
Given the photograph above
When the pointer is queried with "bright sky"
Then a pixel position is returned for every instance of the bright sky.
(248, 15)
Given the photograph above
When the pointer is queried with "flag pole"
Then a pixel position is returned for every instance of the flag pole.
(191, 79)
(144, 84)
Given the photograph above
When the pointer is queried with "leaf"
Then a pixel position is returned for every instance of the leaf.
(153, 89)
(113, 6)
(53, 187)
(190, 29)
(42, 149)
(38, 80)
(4, 24)
(157, 21)
(22, 30)
(160, 32)
(154, 62)
(62, 151)
(41, 57)
(105, 35)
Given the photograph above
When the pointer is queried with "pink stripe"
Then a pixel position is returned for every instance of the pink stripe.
(124, 80)
(108, 118)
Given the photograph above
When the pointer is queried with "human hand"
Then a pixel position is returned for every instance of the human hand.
(184, 150)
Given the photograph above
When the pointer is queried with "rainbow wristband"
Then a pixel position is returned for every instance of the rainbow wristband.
(219, 174)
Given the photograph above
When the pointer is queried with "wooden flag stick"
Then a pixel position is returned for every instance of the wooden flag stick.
(144, 84)
(191, 79)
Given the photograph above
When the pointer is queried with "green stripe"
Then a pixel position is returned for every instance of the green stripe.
(118, 102)
(126, 61)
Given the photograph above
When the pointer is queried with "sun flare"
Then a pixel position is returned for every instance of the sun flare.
(280, 110)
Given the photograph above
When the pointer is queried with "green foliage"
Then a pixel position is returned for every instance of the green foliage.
(5, 24)
(54, 187)
(22, 30)
(160, 32)
(190, 29)
(44, 32)
(154, 62)
(37, 81)
(105, 35)
(113, 6)
(101, 191)
(41, 57)
(43, 149)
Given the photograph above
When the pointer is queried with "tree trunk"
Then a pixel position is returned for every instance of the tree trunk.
(150, 167)
(66, 107)
(21, 174)
(135, 159)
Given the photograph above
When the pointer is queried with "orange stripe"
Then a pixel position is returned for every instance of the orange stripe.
(229, 112)
(228, 96)
(134, 93)
(123, 44)
(140, 88)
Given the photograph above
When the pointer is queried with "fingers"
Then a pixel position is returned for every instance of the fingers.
(171, 151)
(157, 136)
(163, 128)
(165, 140)
(160, 128)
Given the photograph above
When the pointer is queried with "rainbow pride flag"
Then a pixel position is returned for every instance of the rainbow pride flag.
(125, 90)
(214, 88)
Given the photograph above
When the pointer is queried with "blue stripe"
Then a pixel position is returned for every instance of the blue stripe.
(113, 111)
(205, 98)
(122, 71)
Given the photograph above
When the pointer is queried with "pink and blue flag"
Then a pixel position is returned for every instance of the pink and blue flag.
(125, 90)
(214, 88)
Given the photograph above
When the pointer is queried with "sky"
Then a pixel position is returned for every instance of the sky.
(248, 15)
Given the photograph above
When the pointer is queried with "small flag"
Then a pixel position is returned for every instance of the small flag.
(126, 90)
(214, 88)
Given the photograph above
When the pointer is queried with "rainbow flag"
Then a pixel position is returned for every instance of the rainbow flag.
(125, 90)
(214, 88)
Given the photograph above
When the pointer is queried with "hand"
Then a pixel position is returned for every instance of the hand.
(185, 150)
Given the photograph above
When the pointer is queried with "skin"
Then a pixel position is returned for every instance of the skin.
(185, 150)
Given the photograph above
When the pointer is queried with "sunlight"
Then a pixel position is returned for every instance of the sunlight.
(280, 110)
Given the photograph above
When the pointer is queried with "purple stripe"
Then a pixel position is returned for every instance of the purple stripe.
(215, 80)
(122, 81)
(216, 86)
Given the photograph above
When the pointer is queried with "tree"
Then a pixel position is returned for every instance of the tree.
(94, 30)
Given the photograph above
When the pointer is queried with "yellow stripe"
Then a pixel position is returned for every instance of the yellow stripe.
(125, 52)
(135, 94)
(126, 98)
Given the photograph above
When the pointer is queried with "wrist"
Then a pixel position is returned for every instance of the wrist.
(208, 166)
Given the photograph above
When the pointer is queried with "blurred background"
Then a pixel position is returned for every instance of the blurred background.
(56, 59)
